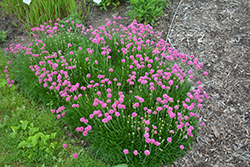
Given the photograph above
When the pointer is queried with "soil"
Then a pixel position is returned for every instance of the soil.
(217, 32)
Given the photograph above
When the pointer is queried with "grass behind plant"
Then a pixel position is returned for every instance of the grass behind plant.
(16, 106)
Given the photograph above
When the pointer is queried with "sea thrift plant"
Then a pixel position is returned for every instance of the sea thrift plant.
(111, 86)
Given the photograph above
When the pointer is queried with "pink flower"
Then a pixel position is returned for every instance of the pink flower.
(203, 124)
(171, 131)
(8, 62)
(71, 52)
(75, 155)
(69, 45)
(88, 75)
(199, 105)
(205, 73)
(126, 151)
(64, 145)
(135, 152)
(146, 152)
(169, 139)
(117, 114)
(110, 70)
(181, 147)
(53, 110)
(134, 114)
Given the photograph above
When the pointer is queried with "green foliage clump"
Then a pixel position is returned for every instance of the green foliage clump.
(3, 36)
(111, 86)
(146, 11)
(34, 142)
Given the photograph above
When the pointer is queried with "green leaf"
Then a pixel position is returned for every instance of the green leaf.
(33, 140)
(33, 130)
(53, 135)
(15, 128)
(23, 144)
(24, 124)
(121, 165)
(39, 134)
(45, 138)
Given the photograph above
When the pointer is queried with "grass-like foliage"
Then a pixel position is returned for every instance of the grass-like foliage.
(39, 11)
(110, 85)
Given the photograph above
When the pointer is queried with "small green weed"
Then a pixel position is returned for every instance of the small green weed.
(3, 36)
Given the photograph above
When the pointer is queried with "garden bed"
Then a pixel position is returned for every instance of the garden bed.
(218, 34)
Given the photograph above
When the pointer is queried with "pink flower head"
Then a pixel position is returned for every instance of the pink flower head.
(53, 110)
(117, 114)
(75, 155)
(169, 139)
(134, 114)
(203, 124)
(64, 145)
(110, 70)
(126, 151)
(8, 62)
(205, 73)
(88, 75)
(146, 152)
(135, 152)
(181, 147)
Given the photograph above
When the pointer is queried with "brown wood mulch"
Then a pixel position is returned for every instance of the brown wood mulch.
(217, 32)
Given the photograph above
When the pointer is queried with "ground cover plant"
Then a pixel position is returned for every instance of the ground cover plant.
(30, 135)
(110, 86)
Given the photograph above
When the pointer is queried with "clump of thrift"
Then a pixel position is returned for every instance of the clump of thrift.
(114, 90)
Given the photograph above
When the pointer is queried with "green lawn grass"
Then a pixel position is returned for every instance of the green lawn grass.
(16, 106)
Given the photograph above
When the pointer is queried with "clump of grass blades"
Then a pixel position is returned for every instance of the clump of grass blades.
(39, 12)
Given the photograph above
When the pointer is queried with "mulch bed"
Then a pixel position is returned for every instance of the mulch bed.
(217, 32)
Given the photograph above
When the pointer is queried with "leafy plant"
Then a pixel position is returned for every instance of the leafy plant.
(110, 86)
(146, 11)
(34, 142)
(3, 36)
